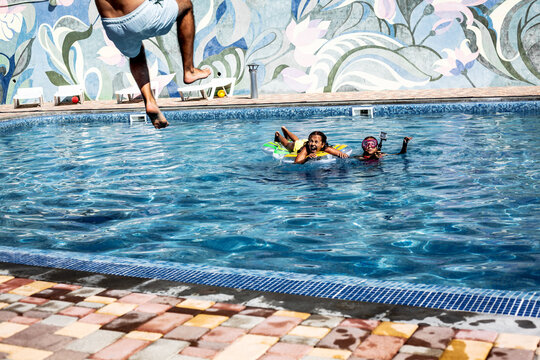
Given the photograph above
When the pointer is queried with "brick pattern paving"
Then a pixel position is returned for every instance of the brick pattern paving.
(357, 97)
(45, 320)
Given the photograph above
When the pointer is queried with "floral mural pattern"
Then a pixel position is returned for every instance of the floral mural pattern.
(299, 45)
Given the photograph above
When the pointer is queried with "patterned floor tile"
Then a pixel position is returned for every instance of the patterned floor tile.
(129, 321)
(24, 320)
(95, 341)
(466, 349)
(8, 329)
(164, 347)
(120, 350)
(76, 311)
(100, 319)
(32, 288)
(344, 337)
(276, 326)
(137, 298)
(478, 335)
(206, 321)
(164, 323)
(78, 330)
(330, 353)
(223, 334)
(295, 351)
(510, 354)
(432, 337)
(516, 341)
(153, 308)
(186, 333)
(322, 321)
(361, 323)
(246, 322)
(395, 329)
(248, 347)
(379, 347)
(309, 331)
(24, 353)
(116, 308)
(143, 335)
(196, 304)
(198, 352)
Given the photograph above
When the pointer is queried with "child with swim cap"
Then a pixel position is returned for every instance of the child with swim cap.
(372, 151)
(306, 149)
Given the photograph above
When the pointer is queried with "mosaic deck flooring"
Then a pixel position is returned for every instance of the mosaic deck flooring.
(58, 321)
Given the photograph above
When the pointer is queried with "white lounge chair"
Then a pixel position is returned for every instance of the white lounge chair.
(28, 94)
(157, 84)
(227, 84)
(68, 91)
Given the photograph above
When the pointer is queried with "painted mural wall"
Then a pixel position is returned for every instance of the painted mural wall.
(299, 45)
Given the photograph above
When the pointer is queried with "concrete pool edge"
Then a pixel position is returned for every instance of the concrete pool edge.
(484, 301)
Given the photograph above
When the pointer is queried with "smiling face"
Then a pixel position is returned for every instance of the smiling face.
(315, 143)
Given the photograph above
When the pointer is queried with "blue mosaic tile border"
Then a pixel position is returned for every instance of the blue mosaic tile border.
(515, 303)
(523, 107)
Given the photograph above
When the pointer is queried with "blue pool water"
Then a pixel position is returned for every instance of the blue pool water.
(460, 208)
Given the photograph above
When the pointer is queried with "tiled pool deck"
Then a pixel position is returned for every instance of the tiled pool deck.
(63, 314)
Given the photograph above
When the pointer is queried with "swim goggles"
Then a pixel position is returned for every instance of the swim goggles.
(369, 143)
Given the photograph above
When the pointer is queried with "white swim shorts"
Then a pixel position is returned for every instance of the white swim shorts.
(151, 18)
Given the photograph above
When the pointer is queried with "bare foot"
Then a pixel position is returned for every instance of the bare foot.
(155, 115)
(196, 74)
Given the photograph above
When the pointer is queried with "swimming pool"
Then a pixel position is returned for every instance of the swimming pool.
(460, 209)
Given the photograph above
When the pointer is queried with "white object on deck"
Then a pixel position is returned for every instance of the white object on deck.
(27, 94)
(156, 83)
(68, 91)
(211, 86)
(132, 92)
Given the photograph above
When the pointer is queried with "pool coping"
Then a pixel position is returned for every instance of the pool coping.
(515, 303)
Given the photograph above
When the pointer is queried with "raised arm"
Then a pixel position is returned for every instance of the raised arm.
(403, 147)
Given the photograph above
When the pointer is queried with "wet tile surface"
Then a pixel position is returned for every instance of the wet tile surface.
(70, 331)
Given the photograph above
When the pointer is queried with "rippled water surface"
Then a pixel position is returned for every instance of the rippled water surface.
(460, 208)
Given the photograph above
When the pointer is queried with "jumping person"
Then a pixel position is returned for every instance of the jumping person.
(306, 149)
(373, 152)
(128, 22)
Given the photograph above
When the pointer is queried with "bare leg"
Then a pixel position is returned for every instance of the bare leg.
(185, 26)
(289, 145)
(289, 134)
(139, 70)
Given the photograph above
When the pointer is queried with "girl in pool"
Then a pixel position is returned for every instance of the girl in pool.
(307, 148)
(370, 145)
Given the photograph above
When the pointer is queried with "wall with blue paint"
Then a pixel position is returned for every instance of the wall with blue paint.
(299, 45)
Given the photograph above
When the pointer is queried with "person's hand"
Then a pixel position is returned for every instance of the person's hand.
(377, 155)
(406, 139)
(343, 155)
(312, 156)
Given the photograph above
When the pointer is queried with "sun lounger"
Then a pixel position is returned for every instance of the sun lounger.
(68, 91)
(227, 84)
(132, 92)
(32, 93)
